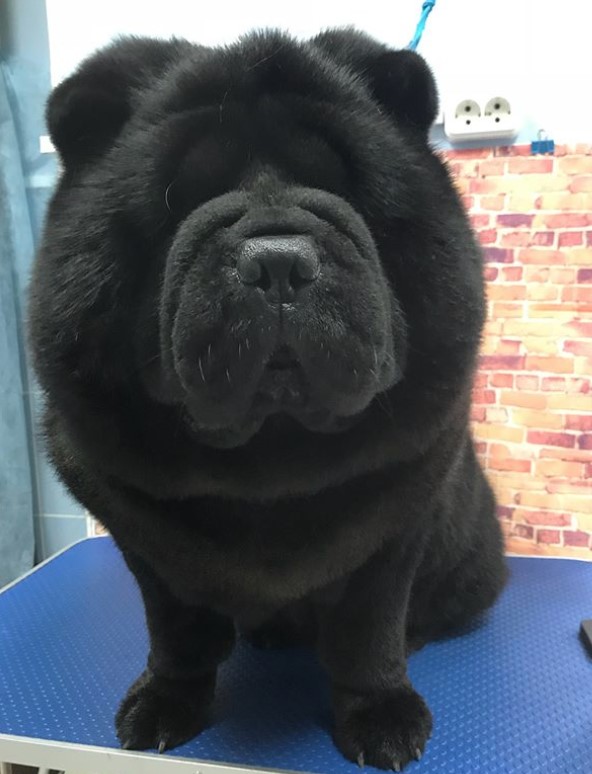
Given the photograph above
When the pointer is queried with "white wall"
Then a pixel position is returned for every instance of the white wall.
(535, 52)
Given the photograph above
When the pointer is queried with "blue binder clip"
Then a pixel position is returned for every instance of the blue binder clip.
(542, 145)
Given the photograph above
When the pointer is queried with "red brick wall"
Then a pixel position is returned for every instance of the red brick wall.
(532, 407)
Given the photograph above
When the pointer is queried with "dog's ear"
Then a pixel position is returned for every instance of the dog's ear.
(87, 111)
(400, 80)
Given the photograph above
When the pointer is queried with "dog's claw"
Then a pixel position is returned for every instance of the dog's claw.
(361, 760)
(396, 766)
(126, 746)
(161, 746)
(417, 755)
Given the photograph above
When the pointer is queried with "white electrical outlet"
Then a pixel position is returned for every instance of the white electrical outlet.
(480, 118)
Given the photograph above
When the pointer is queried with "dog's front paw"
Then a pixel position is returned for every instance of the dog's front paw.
(160, 713)
(385, 730)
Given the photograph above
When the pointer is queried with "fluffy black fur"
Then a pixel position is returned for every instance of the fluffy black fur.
(291, 458)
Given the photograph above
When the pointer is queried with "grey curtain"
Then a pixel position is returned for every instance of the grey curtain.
(16, 242)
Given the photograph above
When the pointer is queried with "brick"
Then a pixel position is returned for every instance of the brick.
(562, 201)
(559, 311)
(498, 255)
(537, 500)
(504, 310)
(584, 521)
(553, 365)
(461, 184)
(542, 328)
(561, 276)
(536, 183)
(541, 256)
(553, 384)
(493, 202)
(507, 528)
(504, 512)
(565, 502)
(579, 256)
(581, 184)
(487, 236)
(477, 413)
(583, 348)
(523, 531)
(579, 421)
(574, 165)
(516, 482)
(565, 486)
(576, 538)
(513, 150)
(584, 275)
(580, 328)
(582, 366)
(492, 167)
(545, 518)
(573, 402)
(489, 185)
(490, 273)
(495, 432)
(523, 166)
(562, 220)
(515, 239)
(483, 396)
(548, 438)
(523, 202)
(577, 455)
(577, 293)
(561, 468)
(496, 415)
(493, 328)
(481, 447)
(585, 441)
(589, 238)
(501, 380)
(583, 149)
(538, 292)
(536, 273)
(524, 399)
(581, 385)
(518, 466)
(468, 202)
(511, 273)
(506, 292)
(543, 238)
(538, 419)
(514, 220)
(570, 238)
(501, 362)
(527, 382)
(468, 153)
(480, 380)
(479, 220)
(548, 536)
(540, 345)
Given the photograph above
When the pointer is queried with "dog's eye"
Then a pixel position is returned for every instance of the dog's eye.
(313, 162)
(209, 169)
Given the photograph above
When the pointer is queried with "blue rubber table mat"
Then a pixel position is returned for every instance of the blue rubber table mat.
(512, 697)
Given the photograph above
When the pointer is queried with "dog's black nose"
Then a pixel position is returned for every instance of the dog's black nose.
(279, 265)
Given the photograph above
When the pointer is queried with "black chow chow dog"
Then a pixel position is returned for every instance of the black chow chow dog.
(255, 315)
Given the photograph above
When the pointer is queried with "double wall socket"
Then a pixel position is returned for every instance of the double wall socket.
(480, 118)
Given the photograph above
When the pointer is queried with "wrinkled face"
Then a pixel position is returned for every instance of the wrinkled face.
(272, 298)
(255, 237)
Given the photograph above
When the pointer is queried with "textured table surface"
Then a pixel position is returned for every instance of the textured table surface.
(512, 697)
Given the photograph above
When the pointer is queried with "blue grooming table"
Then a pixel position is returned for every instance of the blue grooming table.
(512, 697)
